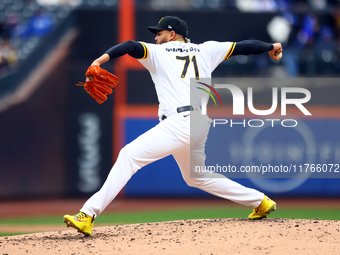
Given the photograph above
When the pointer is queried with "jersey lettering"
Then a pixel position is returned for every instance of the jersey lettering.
(191, 49)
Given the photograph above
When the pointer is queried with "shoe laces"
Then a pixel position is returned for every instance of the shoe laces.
(257, 209)
(80, 215)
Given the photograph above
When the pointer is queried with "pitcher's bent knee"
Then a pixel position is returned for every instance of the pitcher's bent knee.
(195, 182)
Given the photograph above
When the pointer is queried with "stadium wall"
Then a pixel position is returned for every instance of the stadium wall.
(59, 142)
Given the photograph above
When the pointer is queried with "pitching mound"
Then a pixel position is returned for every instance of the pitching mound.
(213, 236)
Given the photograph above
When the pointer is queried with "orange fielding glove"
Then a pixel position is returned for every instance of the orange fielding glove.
(100, 84)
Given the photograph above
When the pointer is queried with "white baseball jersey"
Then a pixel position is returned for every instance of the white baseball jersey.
(172, 64)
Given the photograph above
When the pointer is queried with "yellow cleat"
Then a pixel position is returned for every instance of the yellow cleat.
(81, 221)
(263, 209)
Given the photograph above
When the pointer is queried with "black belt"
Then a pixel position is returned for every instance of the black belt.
(185, 108)
(181, 109)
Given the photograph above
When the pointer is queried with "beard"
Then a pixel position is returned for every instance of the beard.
(162, 41)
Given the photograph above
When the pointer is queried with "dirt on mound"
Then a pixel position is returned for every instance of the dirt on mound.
(212, 236)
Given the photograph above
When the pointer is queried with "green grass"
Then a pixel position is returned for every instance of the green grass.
(11, 234)
(128, 218)
(183, 214)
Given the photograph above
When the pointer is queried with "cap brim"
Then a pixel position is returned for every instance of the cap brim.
(155, 29)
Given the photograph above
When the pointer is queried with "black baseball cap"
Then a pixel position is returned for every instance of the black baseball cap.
(171, 23)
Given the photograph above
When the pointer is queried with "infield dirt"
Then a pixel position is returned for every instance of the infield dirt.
(213, 236)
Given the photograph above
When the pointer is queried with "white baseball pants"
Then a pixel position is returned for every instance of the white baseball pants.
(171, 136)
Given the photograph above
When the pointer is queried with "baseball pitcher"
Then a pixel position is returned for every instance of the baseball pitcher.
(171, 61)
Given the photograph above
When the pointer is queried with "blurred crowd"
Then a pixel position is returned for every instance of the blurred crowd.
(308, 28)
(311, 40)
(22, 24)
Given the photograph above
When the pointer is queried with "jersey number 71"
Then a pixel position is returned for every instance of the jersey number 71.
(186, 65)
